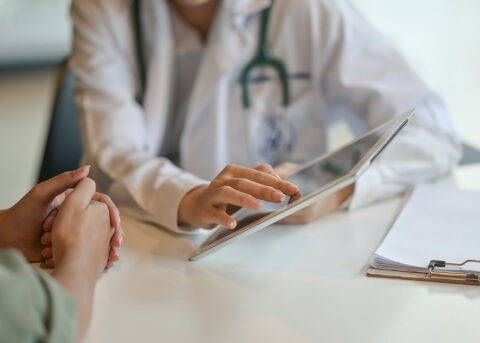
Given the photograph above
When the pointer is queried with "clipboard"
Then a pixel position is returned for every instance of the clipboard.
(421, 245)
(433, 274)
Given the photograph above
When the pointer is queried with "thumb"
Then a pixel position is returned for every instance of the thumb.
(48, 190)
(286, 169)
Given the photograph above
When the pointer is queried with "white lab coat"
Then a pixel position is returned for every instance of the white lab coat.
(340, 68)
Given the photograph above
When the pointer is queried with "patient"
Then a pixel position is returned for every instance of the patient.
(83, 236)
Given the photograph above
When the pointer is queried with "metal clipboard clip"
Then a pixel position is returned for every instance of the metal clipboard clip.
(449, 275)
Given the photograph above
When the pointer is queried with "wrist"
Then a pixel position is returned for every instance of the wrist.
(186, 207)
(77, 278)
(72, 265)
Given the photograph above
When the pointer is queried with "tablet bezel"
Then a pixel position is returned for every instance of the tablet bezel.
(332, 187)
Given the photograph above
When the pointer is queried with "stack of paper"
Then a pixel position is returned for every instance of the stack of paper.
(436, 223)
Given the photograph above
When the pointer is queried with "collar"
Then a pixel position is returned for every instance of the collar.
(239, 7)
(248, 7)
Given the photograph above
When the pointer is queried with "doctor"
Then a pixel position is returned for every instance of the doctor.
(163, 111)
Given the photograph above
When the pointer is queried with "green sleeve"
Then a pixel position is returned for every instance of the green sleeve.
(33, 306)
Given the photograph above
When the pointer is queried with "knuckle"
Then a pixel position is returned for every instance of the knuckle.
(265, 167)
(90, 182)
(216, 183)
(229, 169)
(105, 198)
(223, 191)
(265, 193)
(262, 178)
(236, 183)
(280, 184)
(211, 215)
(102, 208)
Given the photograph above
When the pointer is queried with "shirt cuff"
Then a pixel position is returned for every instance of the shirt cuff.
(366, 187)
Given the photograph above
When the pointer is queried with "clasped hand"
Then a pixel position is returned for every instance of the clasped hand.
(22, 224)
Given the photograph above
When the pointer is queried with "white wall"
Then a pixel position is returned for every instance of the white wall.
(25, 105)
(441, 40)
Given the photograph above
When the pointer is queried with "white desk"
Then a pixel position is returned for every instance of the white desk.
(282, 284)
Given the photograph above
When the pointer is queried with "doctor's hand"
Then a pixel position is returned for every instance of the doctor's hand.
(319, 208)
(235, 187)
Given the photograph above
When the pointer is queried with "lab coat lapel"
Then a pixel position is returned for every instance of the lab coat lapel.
(159, 45)
(230, 45)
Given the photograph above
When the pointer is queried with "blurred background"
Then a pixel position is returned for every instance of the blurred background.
(438, 37)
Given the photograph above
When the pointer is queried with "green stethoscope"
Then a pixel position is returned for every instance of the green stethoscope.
(263, 57)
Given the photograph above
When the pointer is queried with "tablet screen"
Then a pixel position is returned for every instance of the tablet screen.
(322, 177)
(313, 177)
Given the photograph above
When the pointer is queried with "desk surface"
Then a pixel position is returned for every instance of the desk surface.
(282, 284)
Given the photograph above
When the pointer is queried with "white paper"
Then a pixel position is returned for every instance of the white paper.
(436, 223)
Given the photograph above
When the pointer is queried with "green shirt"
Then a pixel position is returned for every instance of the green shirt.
(33, 306)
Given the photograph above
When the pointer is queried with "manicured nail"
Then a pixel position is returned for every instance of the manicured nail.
(231, 224)
(82, 168)
(278, 196)
(292, 188)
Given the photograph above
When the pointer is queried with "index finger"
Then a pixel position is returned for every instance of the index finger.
(264, 178)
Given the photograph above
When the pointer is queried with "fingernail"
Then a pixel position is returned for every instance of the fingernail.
(292, 188)
(279, 196)
(82, 168)
(231, 224)
(44, 254)
(42, 240)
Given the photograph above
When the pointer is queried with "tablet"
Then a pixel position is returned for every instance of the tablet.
(317, 179)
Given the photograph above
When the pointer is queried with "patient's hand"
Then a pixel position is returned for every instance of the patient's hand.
(21, 225)
(115, 243)
(319, 208)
